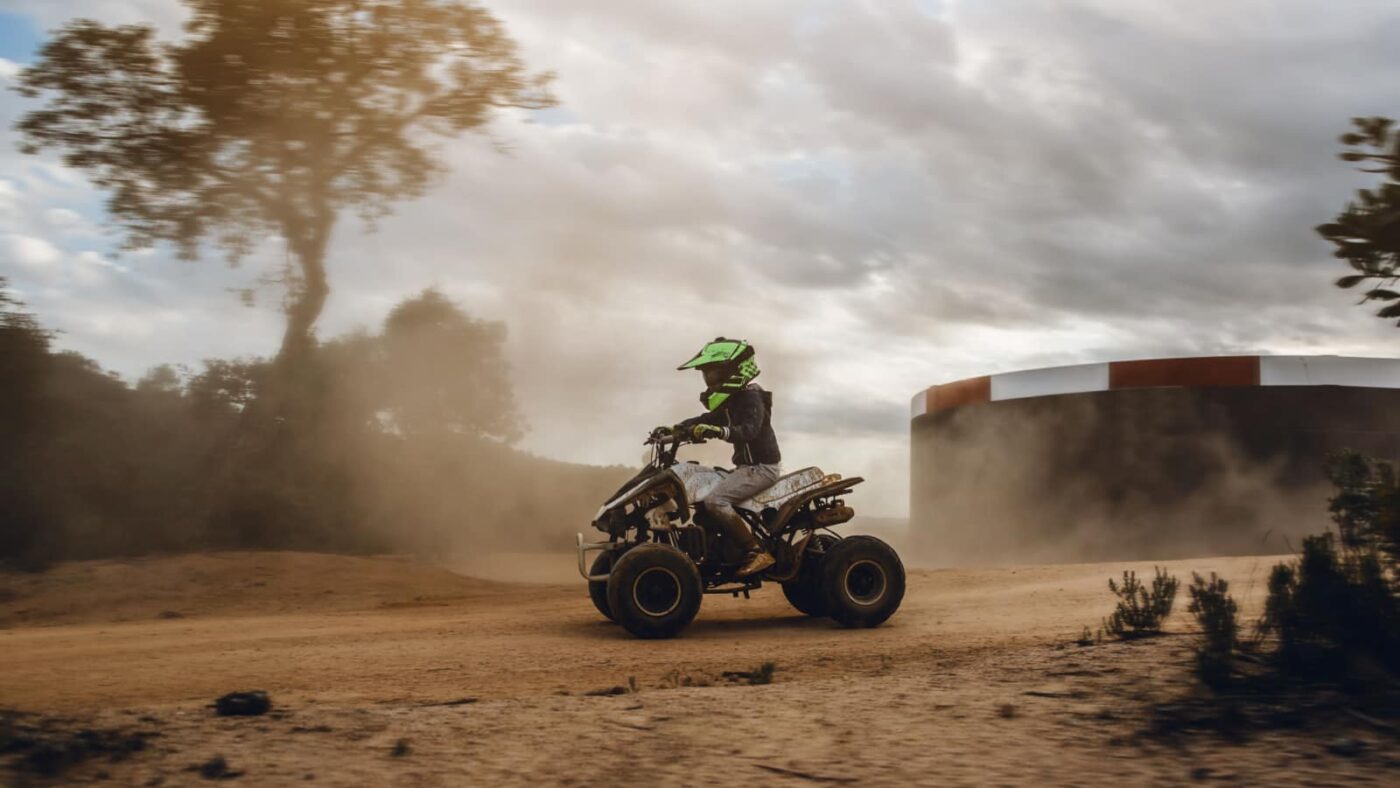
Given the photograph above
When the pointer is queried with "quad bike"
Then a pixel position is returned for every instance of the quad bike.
(664, 553)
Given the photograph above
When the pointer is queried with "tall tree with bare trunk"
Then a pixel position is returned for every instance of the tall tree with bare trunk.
(271, 117)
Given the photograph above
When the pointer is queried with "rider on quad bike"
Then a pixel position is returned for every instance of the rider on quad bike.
(680, 529)
(740, 412)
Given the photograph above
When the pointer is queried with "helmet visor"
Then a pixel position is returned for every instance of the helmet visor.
(720, 351)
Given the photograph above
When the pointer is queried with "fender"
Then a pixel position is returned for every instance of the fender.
(696, 480)
(824, 490)
(628, 493)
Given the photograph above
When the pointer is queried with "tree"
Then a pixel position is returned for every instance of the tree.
(271, 116)
(1367, 232)
(446, 372)
(24, 363)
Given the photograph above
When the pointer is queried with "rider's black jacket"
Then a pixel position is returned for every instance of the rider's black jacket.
(746, 417)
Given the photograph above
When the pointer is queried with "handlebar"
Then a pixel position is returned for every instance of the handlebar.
(662, 435)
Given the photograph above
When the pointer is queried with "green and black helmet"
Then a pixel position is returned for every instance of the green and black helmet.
(734, 360)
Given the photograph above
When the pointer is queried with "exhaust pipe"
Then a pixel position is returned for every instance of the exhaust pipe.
(834, 515)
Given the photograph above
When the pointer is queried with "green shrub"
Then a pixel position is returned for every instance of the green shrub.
(1141, 611)
(1336, 607)
(1366, 507)
(1215, 611)
(1332, 609)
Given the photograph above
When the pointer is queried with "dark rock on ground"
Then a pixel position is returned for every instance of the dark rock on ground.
(243, 704)
(216, 768)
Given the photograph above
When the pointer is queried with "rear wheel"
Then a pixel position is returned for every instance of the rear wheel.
(654, 591)
(804, 591)
(863, 582)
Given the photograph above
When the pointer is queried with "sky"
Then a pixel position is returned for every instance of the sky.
(879, 195)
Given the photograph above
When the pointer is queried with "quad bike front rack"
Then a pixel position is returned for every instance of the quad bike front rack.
(586, 547)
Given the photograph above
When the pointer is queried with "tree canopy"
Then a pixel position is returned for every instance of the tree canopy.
(445, 371)
(271, 117)
(1367, 232)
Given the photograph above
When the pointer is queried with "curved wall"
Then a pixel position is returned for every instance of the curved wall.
(1141, 459)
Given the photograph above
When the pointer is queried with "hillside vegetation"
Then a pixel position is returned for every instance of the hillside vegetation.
(400, 440)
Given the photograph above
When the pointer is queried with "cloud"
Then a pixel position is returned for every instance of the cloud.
(33, 253)
(881, 195)
(65, 220)
(165, 15)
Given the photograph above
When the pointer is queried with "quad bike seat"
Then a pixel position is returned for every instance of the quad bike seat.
(784, 488)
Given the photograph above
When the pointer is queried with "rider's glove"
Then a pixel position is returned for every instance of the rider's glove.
(702, 431)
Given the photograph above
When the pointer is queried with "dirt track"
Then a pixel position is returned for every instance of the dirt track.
(976, 678)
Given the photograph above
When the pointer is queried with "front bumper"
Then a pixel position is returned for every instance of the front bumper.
(583, 549)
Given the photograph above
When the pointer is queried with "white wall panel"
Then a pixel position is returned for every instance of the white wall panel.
(918, 406)
(1329, 371)
(1043, 382)
(1273, 371)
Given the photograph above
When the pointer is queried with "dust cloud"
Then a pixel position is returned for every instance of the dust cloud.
(448, 499)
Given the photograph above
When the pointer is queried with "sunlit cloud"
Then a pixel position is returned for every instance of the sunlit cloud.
(881, 196)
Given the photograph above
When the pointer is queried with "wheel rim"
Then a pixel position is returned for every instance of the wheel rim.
(865, 582)
(657, 591)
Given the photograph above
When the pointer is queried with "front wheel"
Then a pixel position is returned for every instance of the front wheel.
(862, 581)
(654, 591)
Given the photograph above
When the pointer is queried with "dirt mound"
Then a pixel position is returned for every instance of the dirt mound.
(232, 583)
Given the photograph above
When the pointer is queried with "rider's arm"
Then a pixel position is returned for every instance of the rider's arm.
(746, 411)
(741, 418)
(716, 418)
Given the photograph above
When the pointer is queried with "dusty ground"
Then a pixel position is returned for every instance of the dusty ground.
(975, 681)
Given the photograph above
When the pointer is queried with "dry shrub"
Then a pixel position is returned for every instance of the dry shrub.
(1141, 610)
(1215, 611)
(1335, 610)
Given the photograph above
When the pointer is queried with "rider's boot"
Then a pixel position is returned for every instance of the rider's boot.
(757, 559)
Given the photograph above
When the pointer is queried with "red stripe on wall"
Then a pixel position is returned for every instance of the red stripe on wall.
(961, 392)
(1214, 371)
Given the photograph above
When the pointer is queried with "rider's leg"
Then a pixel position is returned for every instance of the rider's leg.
(741, 484)
(733, 526)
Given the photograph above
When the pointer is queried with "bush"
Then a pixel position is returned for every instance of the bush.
(1366, 507)
(1215, 611)
(1332, 610)
(1336, 609)
(1333, 615)
(1141, 612)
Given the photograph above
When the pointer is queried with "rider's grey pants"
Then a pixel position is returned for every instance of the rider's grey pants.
(741, 484)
